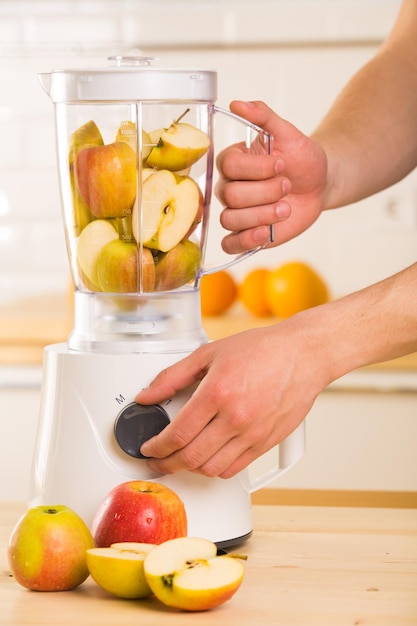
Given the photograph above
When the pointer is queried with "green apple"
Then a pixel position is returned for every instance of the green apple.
(106, 178)
(139, 511)
(119, 270)
(169, 205)
(119, 568)
(178, 147)
(127, 132)
(178, 266)
(186, 573)
(85, 136)
(90, 243)
(47, 549)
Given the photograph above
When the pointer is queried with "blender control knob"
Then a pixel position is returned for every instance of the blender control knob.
(136, 424)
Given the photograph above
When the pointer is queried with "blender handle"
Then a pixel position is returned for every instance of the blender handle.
(289, 452)
(266, 146)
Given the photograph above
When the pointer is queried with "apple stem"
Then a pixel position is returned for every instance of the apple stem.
(181, 116)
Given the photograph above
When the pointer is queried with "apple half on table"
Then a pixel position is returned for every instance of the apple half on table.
(119, 570)
(170, 205)
(186, 573)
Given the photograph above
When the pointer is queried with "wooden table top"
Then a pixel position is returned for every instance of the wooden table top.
(307, 566)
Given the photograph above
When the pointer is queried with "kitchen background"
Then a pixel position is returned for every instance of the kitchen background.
(295, 55)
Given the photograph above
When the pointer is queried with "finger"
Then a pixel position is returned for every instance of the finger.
(235, 163)
(240, 194)
(237, 220)
(260, 114)
(190, 420)
(172, 379)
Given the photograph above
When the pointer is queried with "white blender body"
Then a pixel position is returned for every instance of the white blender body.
(134, 313)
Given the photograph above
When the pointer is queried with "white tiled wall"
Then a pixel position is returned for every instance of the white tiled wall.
(296, 65)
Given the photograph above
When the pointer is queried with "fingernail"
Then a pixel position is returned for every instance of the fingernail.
(282, 210)
(279, 166)
(285, 187)
(261, 234)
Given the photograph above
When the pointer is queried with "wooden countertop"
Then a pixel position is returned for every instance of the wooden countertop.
(307, 566)
(29, 324)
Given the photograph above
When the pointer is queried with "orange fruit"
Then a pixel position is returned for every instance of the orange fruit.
(218, 291)
(293, 287)
(252, 292)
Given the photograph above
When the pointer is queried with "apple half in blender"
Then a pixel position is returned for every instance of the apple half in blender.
(170, 204)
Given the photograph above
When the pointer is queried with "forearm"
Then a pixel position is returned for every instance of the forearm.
(370, 326)
(369, 133)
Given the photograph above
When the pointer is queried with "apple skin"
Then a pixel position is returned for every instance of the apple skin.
(47, 549)
(179, 146)
(85, 136)
(106, 178)
(139, 511)
(186, 573)
(118, 268)
(127, 132)
(119, 569)
(178, 266)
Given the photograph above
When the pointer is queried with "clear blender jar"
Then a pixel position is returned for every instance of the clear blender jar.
(136, 156)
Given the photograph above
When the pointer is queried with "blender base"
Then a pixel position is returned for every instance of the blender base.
(77, 459)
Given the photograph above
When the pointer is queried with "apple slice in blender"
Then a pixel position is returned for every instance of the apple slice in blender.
(127, 133)
(106, 178)
(178, 266)
(85, 136)
(91, 241)
(178, 147)
(118, 268)
(186, 573)
(170, 204)
(119, 568)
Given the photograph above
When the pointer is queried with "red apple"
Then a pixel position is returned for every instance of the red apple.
(47, 549)
(139, 511)
(106, 178)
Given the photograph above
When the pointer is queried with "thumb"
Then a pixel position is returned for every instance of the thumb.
(259, 113)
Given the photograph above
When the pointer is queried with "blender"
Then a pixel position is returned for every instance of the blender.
(136, 149)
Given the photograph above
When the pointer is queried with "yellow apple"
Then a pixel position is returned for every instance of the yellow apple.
(85, 136)
(186, 573)
(119, 568)
(178, 266)
(179, 146)
(127, 132)
(169, 205)
(90, 243)
(119, 270)
(47, 549)
(106, 178)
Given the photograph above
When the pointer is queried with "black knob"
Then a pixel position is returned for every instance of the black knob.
(136, 424)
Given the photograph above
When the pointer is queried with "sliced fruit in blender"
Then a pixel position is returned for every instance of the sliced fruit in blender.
(106, 178)
(178, 266)
(85, 136)
(90, 243)
(118, 268)
(170, 204)
(127, 133)
(179, 146)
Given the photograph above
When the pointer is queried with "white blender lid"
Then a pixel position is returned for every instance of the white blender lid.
(131, 79)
